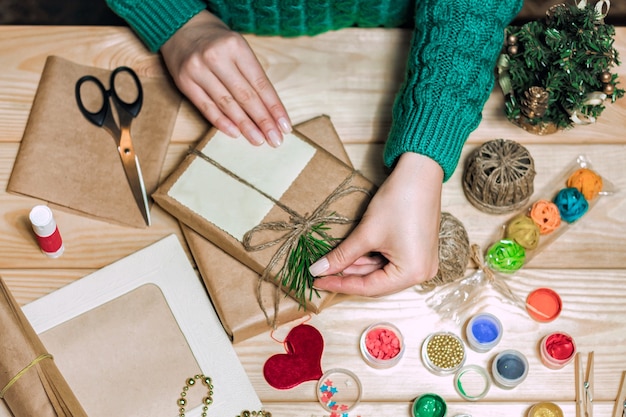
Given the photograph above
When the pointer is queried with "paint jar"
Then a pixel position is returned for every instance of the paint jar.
(509, 368)
(382, 345)
(543, 305)
(472, 382)
(443, 353)
(429, 405)
(557, 350)
(483, 332)
(545, 409)
(339, 390)
(46, 231)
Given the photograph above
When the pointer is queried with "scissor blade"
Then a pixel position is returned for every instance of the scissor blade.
(135, 180)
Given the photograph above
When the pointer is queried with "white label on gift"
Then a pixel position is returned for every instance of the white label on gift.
(226, 202)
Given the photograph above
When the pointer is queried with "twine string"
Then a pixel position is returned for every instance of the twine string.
(294, 229)
(501, 286)
(22, 372)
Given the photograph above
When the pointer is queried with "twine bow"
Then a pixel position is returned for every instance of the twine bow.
(294, 230)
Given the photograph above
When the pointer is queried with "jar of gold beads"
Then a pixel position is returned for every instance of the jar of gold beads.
(443, 353)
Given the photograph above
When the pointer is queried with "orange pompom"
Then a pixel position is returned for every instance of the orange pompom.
(587, 182)
(546, 215)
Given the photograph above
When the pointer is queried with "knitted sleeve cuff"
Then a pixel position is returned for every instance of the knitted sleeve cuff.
(155, 21)
(437, 132)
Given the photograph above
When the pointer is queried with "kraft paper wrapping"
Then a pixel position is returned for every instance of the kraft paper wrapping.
(232, 285)
(319, 177)
(41, 390)
(73, 164)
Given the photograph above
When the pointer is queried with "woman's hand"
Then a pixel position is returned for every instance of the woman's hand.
(400, 226)
(216, 69)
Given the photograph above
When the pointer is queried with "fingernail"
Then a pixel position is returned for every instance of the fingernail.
(319, 267)
(233, 132)
(275, 138)
(256, 137)
(284, 124)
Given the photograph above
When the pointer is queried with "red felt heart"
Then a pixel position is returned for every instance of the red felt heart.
(302, 362)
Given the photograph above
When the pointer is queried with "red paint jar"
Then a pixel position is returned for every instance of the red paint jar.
(46, 231)
(382, 345)
(557, 350)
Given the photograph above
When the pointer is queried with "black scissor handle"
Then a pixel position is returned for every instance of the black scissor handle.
(97, 117)
(134, 106)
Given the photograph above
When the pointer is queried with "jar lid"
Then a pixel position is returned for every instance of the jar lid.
(339, 390)
(472, 382)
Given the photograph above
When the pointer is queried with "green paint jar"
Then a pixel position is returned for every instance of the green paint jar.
(429, 405)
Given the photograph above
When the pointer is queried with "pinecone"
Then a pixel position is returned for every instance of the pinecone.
(535, 102)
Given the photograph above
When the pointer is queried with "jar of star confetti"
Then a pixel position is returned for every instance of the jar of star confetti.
(443, 353)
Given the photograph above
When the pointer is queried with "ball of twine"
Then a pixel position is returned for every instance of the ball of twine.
(587, 182)
(454, 252)
(546, 215)
(524, 231)
(499, 176)
(571, 204)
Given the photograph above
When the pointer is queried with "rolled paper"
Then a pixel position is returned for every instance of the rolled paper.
(524, 231)
(506, 256)
(546, 216)
(587, 182)
(571, 204)
(30, 382)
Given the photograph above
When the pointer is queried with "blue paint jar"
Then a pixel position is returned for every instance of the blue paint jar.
(509, 369)
(483, 332)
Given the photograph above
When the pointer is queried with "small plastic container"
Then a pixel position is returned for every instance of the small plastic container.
(483, 332)
(46, 230)
(472, 382)
(557, 350)
(545, 409)
(443, 353)
(544, 305)
(509, 368)
(382, 345)
(339, 390)
(429, 405)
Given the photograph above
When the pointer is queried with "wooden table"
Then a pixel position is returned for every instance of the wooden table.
(351, 75)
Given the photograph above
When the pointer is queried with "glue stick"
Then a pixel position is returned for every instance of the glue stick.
(46, 231)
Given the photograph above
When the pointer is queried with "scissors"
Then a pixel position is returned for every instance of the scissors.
(126, 112)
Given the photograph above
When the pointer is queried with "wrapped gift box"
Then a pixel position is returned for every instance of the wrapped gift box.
(225, 188)
(233, 286)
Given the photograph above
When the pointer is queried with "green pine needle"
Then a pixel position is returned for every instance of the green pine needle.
(294, 275)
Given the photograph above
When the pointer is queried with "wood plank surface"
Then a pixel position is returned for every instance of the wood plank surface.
(352, 75)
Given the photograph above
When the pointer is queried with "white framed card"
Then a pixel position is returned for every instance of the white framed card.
(127, 337)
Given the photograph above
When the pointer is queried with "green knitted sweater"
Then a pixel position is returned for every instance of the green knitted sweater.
(449, 74)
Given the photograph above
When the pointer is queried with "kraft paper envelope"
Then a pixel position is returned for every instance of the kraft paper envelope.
(73, 164)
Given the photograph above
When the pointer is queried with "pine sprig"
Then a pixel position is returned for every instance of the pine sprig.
(565, 53)
(295, 274)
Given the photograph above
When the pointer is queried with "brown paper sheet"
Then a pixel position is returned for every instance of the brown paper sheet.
(127, 357)
(41, 390)
(73, 164)
(322, 175)
(233, 286)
